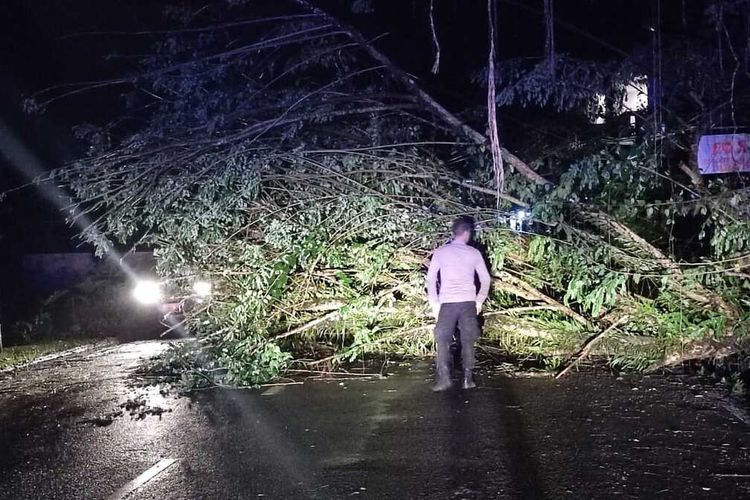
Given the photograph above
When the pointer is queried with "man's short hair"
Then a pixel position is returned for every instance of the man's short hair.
(462, 225)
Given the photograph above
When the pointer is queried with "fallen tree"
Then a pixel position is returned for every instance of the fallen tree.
(309, 177)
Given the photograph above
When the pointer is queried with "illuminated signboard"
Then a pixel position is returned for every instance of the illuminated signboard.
(723, 154)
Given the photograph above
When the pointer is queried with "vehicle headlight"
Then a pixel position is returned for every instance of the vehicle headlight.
(147, 292)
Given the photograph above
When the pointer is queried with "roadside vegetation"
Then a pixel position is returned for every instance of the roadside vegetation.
(17, 356)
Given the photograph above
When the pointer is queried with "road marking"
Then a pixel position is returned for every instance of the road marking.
(147, 476)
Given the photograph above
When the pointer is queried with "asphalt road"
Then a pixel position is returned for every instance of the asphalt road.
(585, 437)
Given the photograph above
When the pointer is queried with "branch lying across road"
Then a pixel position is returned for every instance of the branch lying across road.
(520, 288)
(588, 345)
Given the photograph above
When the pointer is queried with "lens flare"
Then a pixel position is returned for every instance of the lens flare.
(31, 168)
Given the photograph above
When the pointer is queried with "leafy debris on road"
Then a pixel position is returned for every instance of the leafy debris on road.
(138, 408)
(103, 420)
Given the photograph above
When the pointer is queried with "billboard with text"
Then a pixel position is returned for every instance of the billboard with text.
(723, 154)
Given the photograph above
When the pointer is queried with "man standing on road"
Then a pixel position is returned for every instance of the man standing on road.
(457, 301)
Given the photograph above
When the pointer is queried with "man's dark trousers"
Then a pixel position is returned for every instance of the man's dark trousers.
(463, 314)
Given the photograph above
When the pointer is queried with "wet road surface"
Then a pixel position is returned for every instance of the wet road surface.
(584, 437)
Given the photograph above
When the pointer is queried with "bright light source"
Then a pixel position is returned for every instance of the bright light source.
(598, 109)
(635, 97)
(147, 292)
(202, 288)
(518, 219)
(628, 97)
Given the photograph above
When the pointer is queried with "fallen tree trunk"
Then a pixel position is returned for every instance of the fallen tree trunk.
(703, 349)
(302, 328)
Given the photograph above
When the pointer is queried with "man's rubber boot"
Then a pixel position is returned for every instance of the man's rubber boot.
(468, 380)
(444, 381)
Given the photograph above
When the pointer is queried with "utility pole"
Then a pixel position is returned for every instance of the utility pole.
(1, 338)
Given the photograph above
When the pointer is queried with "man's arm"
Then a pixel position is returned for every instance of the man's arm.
(484, 282)
(432, 274)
